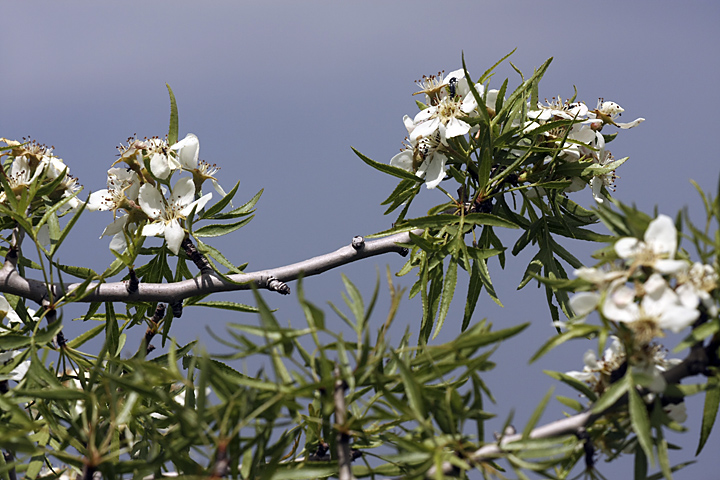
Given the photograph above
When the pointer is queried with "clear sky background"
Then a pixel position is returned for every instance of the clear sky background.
(278, 91)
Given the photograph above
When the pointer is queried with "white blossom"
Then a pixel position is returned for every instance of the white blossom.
(657, 250)
(165, 214)
(659, 308)
(162, 162)
(188, 154)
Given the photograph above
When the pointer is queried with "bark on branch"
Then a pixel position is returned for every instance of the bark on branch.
(12, 282)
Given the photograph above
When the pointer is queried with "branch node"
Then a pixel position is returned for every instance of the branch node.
(133, 283)
(197, 258)
(177, 308)
(275, 285)
(358, 242)
(588, 447)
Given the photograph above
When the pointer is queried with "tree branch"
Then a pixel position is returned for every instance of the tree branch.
(12, 282)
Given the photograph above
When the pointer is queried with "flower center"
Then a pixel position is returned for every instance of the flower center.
(447, 110)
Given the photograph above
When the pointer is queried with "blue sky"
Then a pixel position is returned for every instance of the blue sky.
(277, 92)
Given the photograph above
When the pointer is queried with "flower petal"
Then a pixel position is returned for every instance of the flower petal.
(151, 201)
(188, 151)
(174, 235)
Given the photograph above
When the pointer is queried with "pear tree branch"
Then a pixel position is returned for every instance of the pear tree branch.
(207, 283)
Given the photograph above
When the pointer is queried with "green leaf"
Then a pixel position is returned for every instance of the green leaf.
(67, 228)
(112, 334)
(474, 288)
(390, 170)
(61, 393)
(447, 293)
(85, 336)
(573, 382)
(173, 129)
(206, 249)
(412, 389)
(537, 413)
(612, 395)
(710, 411)
(217, 208)
(79, 272)
(242, 210)
(236, 307)
(575, 332)
(640, 421)
(218, 229)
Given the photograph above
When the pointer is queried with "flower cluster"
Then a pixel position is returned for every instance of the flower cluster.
(649, 291)
(437, 134)
(34, 165)
(137, 195)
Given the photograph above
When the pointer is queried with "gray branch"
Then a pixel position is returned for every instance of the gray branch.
(273, 279)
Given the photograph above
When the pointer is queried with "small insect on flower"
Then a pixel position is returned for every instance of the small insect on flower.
(452, 85)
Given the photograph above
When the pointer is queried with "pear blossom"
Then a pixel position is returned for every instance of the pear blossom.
(120, 196)
(425, 159)
(677, 412)
(165, 215)
(597, 371)
(659, 309)
(436, 87)
(609, 111)
(597, 182)
(123, 185)
(657, 250)
(162, 163)
(188, 152)
(557, 109)
(21, 175)
(695, 287)
(445, 118)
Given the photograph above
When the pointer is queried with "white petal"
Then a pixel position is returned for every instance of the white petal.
(198, 204)
(628, 247)
(583, 303)
(403, 160)
(590, 359)
(435, 170)
(118, 243)
(219, 189)
(188, 151)
(159, 166)
(670, 266)
(115, 227)
(676, 411)
(620, 304)
(98, 201)
(155, 229)
(174, 235)
(662, 235)
(456, 127)
(632, 124)
(183, 192)
(676, 318)
(409, 124)
(425, 129)
(151, 201)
